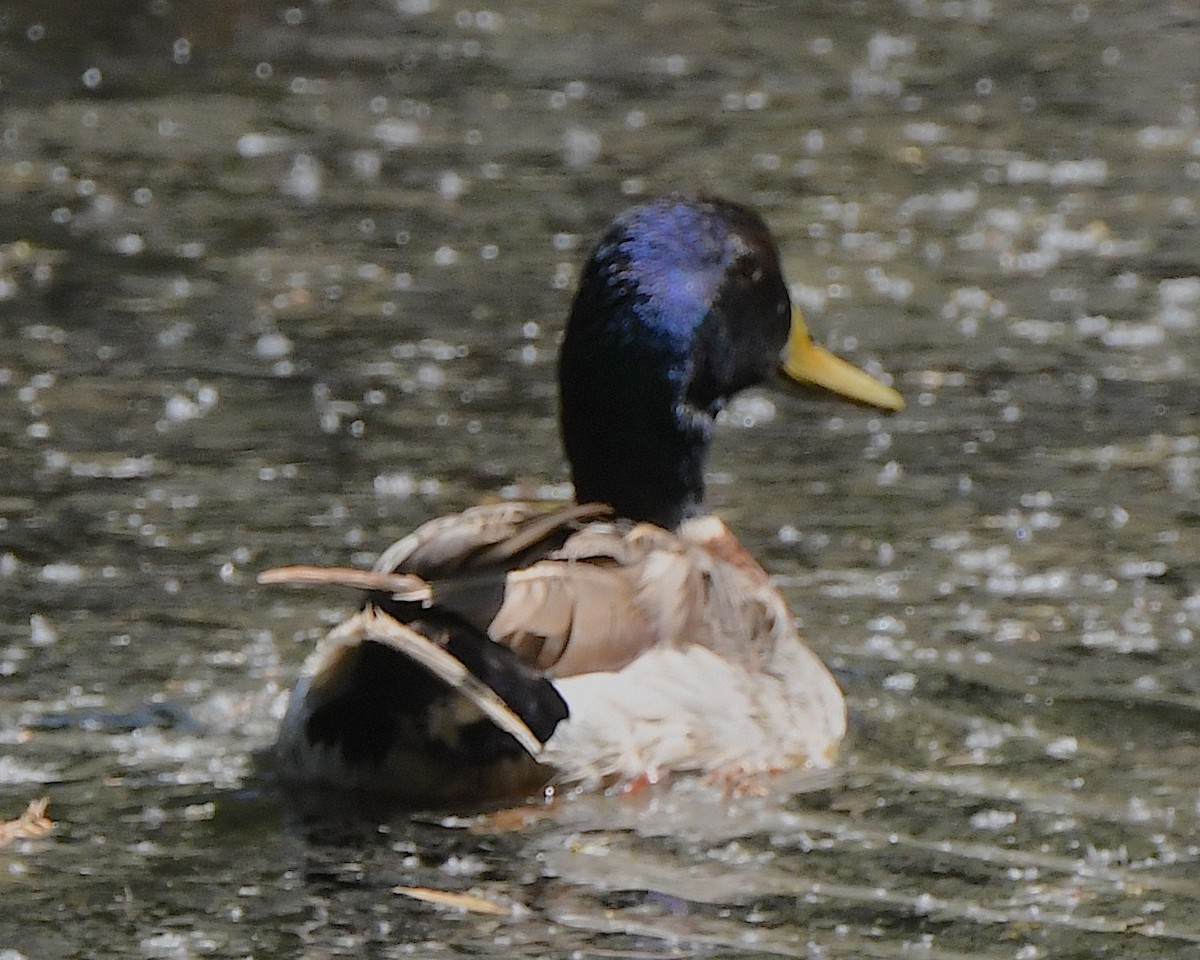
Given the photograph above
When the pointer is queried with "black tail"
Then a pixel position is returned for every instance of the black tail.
(423, 689)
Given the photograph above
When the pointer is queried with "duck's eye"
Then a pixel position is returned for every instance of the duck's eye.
(747, 269)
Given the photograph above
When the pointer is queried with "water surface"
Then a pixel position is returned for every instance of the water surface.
(279, 282)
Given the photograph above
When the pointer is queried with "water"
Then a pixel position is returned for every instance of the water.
(278, 283)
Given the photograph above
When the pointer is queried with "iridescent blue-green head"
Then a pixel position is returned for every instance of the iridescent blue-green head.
(681, 305)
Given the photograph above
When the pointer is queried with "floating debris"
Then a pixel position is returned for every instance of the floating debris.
(31, 825)
(469, 903)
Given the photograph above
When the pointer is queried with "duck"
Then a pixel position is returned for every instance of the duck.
(628, 636)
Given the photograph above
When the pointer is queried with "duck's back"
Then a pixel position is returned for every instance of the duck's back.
(726, 686)
(560, 645)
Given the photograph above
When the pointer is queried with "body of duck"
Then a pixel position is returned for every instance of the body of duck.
(623, 637)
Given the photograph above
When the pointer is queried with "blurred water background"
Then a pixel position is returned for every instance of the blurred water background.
(279, 281)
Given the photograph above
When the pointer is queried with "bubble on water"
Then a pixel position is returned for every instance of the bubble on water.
(1160, 138)
(1133, 335)
(675, 65)
(890, 475)
(399, 485)
(166, 946)
(272, 345)
(926, 132)
(175, 333)
(304, 180)
(580, 147)
(41, 631)
(179, 408)
(1119, 641)
(883, 48)
(430, 375)
(13, 771)
(92, 78)
(490, 21)
(250, 145)
(984, 739)
(130, 244)
(993, 820)
(897, 289)
(904, 682)
(124, 469)
(1062, 748)
(196, 403)
(366, 164)
(311, 86)
(1179, 298)
(397, 133)
(748, 410)
(61, 574)
(1140, 569)
(467, 865)
(450, 185)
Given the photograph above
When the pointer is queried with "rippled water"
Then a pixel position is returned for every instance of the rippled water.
(279, 282)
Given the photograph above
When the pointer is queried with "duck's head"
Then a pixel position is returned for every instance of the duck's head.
(681, 305)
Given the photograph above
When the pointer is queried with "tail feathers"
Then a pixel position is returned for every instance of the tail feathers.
(404, 587)
(411, 699)
(423, 708)
(518, 701)
(514, 698)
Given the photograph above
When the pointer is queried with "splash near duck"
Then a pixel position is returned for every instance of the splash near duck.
(626, 636)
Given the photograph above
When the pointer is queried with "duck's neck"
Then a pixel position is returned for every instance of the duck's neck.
(634, 438)
(630, 450)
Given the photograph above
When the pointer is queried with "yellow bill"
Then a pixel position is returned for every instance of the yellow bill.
(807, 363)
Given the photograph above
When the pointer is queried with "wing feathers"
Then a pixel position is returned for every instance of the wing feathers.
(493, 535)
(434, 658)
(566, 617)
(593, 602)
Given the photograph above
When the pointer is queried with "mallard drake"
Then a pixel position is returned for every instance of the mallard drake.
(618, 639)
